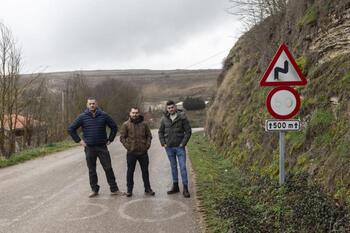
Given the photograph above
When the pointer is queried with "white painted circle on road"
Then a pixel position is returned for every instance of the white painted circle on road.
(158, 208)
(5, 222)
(93, 208)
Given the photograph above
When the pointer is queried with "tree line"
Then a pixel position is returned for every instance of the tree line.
(34, 112)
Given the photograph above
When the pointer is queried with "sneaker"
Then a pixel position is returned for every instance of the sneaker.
(150, 192)
(116, 192)
(129, 194)
(93, 194)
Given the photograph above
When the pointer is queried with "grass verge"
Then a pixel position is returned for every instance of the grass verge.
(36, 152)
(238, 202)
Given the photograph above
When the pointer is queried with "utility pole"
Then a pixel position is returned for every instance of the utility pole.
(62, 105)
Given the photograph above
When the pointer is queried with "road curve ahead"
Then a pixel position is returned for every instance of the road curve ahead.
(50, 195)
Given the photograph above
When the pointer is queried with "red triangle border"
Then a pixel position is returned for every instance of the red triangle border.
(282, 48)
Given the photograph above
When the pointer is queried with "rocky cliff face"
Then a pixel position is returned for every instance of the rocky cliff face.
(318, 35)
(334, 40)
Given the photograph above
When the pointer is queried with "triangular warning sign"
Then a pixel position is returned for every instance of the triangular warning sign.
(283, 70)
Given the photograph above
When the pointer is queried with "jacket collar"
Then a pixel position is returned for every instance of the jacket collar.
(178, 112)
(137, 120)
(97, 113)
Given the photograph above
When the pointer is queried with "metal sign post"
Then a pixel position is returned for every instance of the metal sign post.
(282, 156)
(283, 102)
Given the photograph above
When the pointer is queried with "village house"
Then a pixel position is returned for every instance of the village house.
(23, 128)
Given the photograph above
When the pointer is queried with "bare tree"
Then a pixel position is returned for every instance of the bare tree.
(251, 12)
(52, 109)
(73, 97)
(43, 111)
(116, 97)
(49, 110)
(36, 106)
(10, 58)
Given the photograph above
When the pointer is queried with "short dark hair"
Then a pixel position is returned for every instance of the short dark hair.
(91, 98)
(134, 107)
(170, 102)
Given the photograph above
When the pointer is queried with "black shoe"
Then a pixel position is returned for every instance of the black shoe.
(128, 194)
(185, 192)
(150, 192)
(174, 189)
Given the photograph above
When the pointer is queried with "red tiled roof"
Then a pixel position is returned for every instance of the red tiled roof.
(18, 122)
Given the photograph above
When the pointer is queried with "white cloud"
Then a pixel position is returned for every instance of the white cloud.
(118, 34)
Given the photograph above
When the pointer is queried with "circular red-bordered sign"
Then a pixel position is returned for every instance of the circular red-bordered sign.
(283, 102)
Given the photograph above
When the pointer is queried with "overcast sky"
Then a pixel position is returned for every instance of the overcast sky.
(64, 35)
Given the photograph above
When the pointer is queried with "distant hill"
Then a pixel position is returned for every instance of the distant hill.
(155, 85)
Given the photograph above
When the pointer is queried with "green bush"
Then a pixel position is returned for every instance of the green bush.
(310, 17)
(242, 217)
(193, 103)
(302, 63)
(320, 121)
(298, 206)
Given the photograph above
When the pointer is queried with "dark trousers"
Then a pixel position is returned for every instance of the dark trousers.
(144, 161)
(102, 153)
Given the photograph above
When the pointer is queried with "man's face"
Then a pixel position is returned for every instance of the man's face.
(91, 105)
(171, 108)
(134, 113)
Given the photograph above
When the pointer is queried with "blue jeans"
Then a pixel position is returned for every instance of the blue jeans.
(180, 153)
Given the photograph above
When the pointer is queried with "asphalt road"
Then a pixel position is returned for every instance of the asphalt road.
(50, 194)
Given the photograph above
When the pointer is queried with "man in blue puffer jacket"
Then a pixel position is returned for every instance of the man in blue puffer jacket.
(93, 122)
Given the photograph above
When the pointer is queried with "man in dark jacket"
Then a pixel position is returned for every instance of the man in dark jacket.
(174, 133)
(136, 137)
(93, 122)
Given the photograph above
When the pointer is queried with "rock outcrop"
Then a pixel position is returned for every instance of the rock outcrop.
(318, 35)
